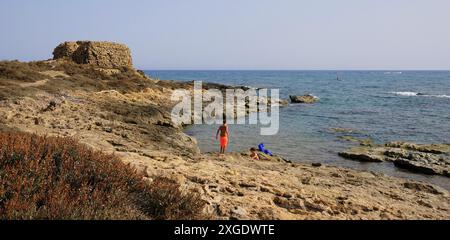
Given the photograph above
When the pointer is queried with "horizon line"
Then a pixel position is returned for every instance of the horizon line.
(330, 70)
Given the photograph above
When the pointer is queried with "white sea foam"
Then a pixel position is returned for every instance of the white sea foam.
(393, 72)
(406, 93)
(420, 94)
(441, 96)
(312, 95)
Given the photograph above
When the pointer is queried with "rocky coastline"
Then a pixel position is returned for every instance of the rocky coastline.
(431, 159)
(118, 110)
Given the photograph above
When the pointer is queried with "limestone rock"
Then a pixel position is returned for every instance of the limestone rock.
(430, 148)
(343, 130)
(428, 159)
(418, 166)
(239, 213)
(361, 141)
(303, 98)
(102, 54)
(362, 154)
(423, 187)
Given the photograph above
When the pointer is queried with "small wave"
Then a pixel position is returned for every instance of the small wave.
(420, 94)
(406, 93)
(316, 97)
(393, 72)
(440, 96)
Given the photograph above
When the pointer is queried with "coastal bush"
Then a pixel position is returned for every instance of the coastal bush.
(59, 178)
(164, 200)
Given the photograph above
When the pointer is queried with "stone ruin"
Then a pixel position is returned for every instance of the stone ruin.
(102, 54)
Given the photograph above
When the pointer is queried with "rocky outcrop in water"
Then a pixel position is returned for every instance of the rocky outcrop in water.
(433, 159)
(303, 98)
(101, 54)
(363, 154)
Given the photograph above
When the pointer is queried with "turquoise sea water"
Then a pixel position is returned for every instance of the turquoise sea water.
(380, 105)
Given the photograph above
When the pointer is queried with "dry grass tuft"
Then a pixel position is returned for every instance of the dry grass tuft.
(15, 70)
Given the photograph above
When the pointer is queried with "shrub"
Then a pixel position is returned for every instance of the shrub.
(164, 200)
(59, 178)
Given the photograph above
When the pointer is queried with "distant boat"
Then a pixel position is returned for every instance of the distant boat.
(337, 77)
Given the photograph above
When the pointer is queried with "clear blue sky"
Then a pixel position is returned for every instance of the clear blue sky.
(246, 34)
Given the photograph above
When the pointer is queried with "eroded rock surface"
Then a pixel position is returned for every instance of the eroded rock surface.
(431, 159)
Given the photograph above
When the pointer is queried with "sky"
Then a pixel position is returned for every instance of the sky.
(244, 34)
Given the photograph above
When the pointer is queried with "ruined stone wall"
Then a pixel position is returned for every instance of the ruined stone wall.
(101, 54)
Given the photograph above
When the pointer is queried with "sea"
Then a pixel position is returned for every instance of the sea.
(378, 105)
